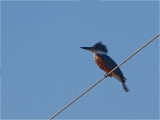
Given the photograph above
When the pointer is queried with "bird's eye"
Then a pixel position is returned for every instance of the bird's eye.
(96, 47)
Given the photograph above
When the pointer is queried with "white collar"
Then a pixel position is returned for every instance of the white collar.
(99, 52)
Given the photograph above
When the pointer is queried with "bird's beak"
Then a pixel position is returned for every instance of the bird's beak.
(88, 48)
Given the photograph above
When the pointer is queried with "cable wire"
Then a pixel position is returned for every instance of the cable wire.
(106, 75)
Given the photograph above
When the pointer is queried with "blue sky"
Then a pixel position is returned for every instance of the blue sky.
(43, 67)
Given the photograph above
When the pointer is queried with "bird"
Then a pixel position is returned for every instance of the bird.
(106, 63)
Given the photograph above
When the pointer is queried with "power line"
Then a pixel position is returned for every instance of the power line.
(106, 75)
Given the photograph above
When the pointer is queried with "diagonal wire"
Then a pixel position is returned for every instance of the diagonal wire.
(106, 75)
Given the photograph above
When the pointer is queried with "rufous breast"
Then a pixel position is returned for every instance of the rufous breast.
(101, 64)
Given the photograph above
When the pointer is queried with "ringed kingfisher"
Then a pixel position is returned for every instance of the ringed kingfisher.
(106, 63)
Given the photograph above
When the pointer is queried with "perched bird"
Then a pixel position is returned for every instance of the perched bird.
(105, 63)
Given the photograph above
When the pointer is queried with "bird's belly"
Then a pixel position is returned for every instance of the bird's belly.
(101, 64)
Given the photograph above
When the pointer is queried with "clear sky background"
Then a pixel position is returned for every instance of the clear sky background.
(43, 67)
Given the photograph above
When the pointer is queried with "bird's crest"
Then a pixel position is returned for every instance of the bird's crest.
(100, 46)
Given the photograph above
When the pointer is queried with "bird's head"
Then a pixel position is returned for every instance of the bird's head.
(97, 48)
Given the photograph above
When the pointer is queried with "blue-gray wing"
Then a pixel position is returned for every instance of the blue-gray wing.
(111, 64)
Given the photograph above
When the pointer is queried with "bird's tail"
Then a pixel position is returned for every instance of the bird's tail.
(122, 80)
(125, 87)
